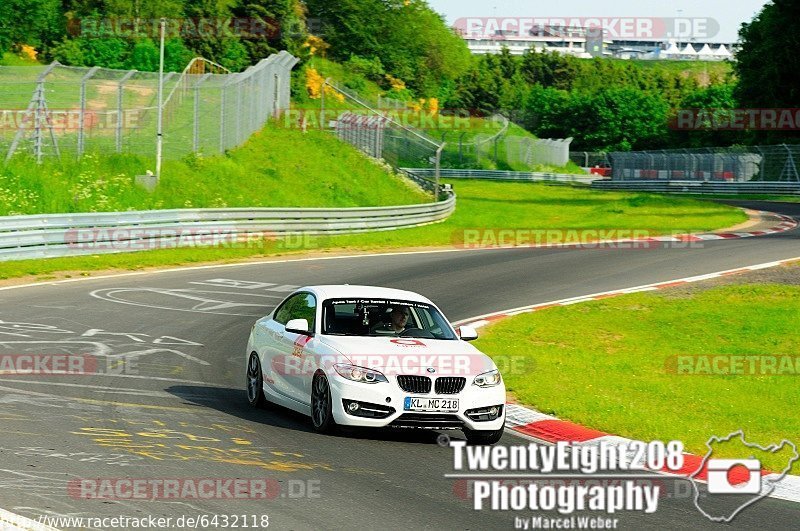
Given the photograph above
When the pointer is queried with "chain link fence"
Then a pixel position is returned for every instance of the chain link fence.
(735, 164)
(380, 129)
(466, 150)
(590, 159)
(378, 135)
(63, 111)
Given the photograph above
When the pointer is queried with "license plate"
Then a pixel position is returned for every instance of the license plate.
(413, 403)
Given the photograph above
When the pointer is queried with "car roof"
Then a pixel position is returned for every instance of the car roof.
(337, 291)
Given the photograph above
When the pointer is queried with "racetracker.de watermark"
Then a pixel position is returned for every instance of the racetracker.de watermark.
(457, 119)
(621, 28)
(733, 365)
(775, 119)
(622, 239)
(414, 362)
(58, 364)
(247, 28)
(192, 489)
(63, 120)
(145, 239)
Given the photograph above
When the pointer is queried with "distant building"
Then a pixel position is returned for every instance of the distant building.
(580, 42)
(708, 51)
(591, 42)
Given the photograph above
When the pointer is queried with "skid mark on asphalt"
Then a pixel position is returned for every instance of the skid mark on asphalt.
(78, 457)
(39, 483)
(191, 300)
(247, 284)
(37, 349)
(185, 441)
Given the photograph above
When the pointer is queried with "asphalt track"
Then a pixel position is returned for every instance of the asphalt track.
(180, 410)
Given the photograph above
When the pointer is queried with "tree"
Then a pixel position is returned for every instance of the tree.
(713, 100)
(613, 119)
(768, 65)
(144, 56)
(39, 24)
(411, 41)
(270, 26)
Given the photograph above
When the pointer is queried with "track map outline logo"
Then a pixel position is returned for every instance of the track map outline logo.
(718, 475)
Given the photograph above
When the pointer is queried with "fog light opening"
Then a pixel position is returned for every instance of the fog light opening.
(484, 414)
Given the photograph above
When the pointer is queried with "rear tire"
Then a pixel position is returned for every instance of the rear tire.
(481, 437)
(255, 383)
(322, 405)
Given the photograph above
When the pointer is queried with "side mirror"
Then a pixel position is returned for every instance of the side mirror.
(298, 326)
(467, 333)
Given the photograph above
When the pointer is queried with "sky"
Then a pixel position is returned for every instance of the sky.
(727, 15)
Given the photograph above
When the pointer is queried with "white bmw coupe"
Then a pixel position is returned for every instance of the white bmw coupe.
(373, 357)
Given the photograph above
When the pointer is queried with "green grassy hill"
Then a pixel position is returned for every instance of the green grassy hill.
(468, 139)
(278, 166)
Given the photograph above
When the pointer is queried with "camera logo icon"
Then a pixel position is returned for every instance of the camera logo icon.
(724, 487)
(734, 476)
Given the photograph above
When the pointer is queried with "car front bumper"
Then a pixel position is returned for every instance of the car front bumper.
(384, 397)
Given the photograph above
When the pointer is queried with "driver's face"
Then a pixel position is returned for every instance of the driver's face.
(400, 317)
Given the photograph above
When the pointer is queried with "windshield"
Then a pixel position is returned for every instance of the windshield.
(383, 317)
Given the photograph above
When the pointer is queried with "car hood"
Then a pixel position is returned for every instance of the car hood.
(393, 355)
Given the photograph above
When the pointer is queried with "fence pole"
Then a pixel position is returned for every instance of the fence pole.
(196, 124)
(438, 172)
(159, 125)
(38, 95)
(222, 125)
(37, 123)
(120, 94)
(82, 111)
(238, 112)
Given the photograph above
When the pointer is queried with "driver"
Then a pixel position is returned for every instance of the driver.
(398, 319)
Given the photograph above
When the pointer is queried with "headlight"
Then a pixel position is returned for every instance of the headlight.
(488, 379)
(359, 374)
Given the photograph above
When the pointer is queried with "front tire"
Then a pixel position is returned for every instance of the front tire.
(255, 383)
(322, 405)
(481, 437)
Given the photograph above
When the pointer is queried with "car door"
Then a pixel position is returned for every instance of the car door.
(291, 359)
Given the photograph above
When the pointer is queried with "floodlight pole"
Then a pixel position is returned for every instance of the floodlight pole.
(159, 132)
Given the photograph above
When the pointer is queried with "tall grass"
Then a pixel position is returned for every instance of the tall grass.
(276, 167)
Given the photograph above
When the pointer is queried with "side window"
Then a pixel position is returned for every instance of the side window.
(300, 306)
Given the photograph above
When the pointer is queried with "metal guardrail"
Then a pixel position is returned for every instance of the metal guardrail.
(497, 175)
(59, 235)
(695, 187)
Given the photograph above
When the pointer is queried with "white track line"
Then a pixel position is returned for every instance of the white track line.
(482, 320)
(787, 489)
(788, 225)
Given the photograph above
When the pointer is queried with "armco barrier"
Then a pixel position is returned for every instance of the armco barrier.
(497, 175)
(56, 235)
(695, 187)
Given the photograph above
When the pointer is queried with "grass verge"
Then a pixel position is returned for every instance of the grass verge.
(485, 206)
(611, 364)
(276, 167)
